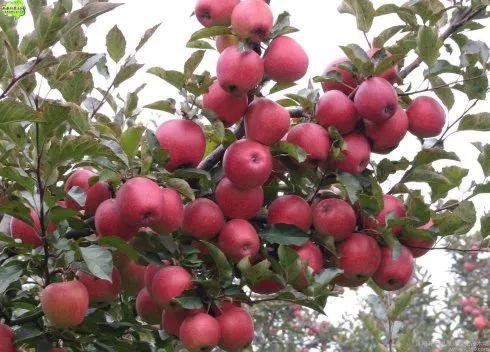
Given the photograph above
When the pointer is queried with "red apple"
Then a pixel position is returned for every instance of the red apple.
(237, 329)
(146, 307)
(394, 273)
(343, 281)
(229, 108)
(393, 207)
(237, 203)
(334, 217)
(335, 109)
(349, 81)
(26, 233)
(7, 337)
(266, 121)
(170, 282)
(100, 290)
(292, 210)
(359, 257)
(356, 155)
(200, 332)
(185, 142)
(311, 255)
(133, 277)
(313, 139)
(109, 221)
(252, 19)
(376, 100)
(239, 71)
(419, 246)
(391, 73)
(285, 60)
(65, 303)
(426, 117)
(239, 239)
(267, 287)
(151, 270)
(203, 219)
(388, 134)
(95, 194)
(173, 212)
(172, 319)
(481, 322)
(215, 12)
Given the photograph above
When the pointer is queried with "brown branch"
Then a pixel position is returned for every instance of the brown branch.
(449, 249)
(16, 80)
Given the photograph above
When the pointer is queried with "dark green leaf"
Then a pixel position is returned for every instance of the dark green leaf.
(189, 302)
(181, 186)
(427, 156)
(163, 105)
(224, 267)
(125, 73)
(386, 167)
(484, 160)
(290, 262)
(292, 150)
(284, 234)
(87, 13)
(192, 63)
(8, 275)
(385, 35)
(351, 185)
(120, 245)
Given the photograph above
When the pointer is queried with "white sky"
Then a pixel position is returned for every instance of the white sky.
(322, 30)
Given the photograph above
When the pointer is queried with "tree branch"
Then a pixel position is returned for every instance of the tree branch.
(16, 80)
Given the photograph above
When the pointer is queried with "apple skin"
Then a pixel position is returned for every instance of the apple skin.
(100, 290)
(391, 205)
(310, 254)
(419, 242)
(480, 322)
(185, 142)
(237, 329)
(203, 219)
(247, 164)
(7, 337)
(199, 333)
(334, 217)
(426, 117)
(65, 303)
(237, 203)
(376, 100)
(335, 109)
(349, 82)
(252, 19)
(313, 139)
(172, 319)
(95, 194)
(292, 210)
(133, 277)
(357, 154)
(151, 270)
(388, 134)
(146, 307)
(229, 108)
(173, 212)
(267, 287)
(109, 221)
(394, 274)
(285, 60)
(25, 232)
(343, 281)
(170, 282)
(215, 12)
(359, 257)
(266, 121)
(239, 71)
(390, 74)
(224, 41)
(239, 239)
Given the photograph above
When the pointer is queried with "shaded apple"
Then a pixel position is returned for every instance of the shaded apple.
(95, 194)
(376, 100)
(311, 256)
(426, 117)
(267, 286)
(172, 318)
(334, 217)
(133, 277)
(252, 20)
(239, 239)
(26, 233)
(146, 307)
(356, 154)
(388, 134)
(313, 139)
(349, 81)
(109, 221)
(391, 73)
(101, 290)
(393, 208)
(237, 203)
(229, 108)
(7, 337)
(285, 60)
(291, 210)
(419, 246)
(203, 219)
(394, 273)
(199, 333)
(266, 121)
(170, 282)
(151, 270)
(335, 109)
(237, 329)
(173, 212)
(215, 12)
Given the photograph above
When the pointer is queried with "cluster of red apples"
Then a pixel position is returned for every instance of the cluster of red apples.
(470, 305)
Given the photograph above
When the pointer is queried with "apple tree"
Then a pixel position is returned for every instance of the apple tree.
(119, 236)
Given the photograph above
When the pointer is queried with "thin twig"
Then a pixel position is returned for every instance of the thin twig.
(439, 86)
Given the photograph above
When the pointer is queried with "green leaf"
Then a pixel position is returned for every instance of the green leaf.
(148, 34)
(281, 86)
(290, 262)
(385, 35)
(192, 63)
(481, 189)
(86, 14)
(351, 185)
(130, 140)
(189, 302)
(13, 111)
(282, 26)
(476, 83)
(428, 44)
(290, 149)
(484, 159)
(402, 301)
(120, 245)
(49, 24)
(444, 93)
(386, 167)
(181, 186)
(362, 9)
(455, 175)
(406, 14)
(327, 275)
(359, 58)
(175, 78)
(427, 156)
(254, 273)
(475, 122)
(163, 105)
(8, 275)
(456, 222)
(284, 234)
(485, 226)
(125, 73)
(431, 177)
(199, 44)
(210, 32)
(116, 44)
(18, 176)
(98, 260)
(224, 267)
(9, 31)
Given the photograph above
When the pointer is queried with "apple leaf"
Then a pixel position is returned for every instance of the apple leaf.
(284, 234)
(362, 9)
(224, 267)
(98, 261)
(443, 92)
(475, 122)
(189, 302)
(428, 44)
(210, 32)
(116, 44)
(8, 275)
(427, 156)
(292, 150)
(13, 111)
(148, 34)
(485, 226)
(289, 262)
(163, 105)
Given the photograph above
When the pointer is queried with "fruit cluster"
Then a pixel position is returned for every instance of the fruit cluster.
(470, 305)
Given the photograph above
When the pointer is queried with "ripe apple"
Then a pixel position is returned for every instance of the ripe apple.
(334, 217)
(237, 329)
(335, 109)
(349, 81)
(229, 108)
(151, 270)
(7, 337)
(170, 282)
(343, 281)
(199, 333)
(215, 12)
(357, 154)
(239, 239)
(65, 303)
(172, 319)
(267, 287)
(173, 212)
(285, 60)
(252, 19)
(481, 322)
(393, 207)
(391, 73)
(100, 290)
(311, 255)
(146, 307)
(359, 256)
(394, 273)
(388, 134)
(247, 164)
(376, 100)
(239, 71)
(313, 139)
(224, 41)
(95, 194)
(469, 267)
(414, 243)
(109, 221)
(426, 117)
(292, 210)
(237, 203)
(203, 219)
(185, 142)
(266, 121)
(133, 277)
(26, 233)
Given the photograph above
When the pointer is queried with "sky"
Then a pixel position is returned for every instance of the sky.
(322, 30)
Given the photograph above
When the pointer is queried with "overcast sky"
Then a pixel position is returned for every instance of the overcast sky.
(322, 30)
